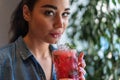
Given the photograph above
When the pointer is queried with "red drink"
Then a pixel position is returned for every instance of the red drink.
(66, 64)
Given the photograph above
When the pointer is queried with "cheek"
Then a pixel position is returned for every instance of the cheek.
(66, 24)
(41, 23)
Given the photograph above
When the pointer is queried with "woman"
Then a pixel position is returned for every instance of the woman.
(35, 25)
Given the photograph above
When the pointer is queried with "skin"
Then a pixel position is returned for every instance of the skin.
(47, 22)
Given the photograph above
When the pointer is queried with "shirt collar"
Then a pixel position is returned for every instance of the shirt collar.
(24, 51)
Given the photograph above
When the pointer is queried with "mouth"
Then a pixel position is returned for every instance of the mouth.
(56, 35)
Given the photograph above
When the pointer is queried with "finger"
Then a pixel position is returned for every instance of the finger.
(82, 78)
(65, 79)
(80, 57)
(81, 71)
(82, 63)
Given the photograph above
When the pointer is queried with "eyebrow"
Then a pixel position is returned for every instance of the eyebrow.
(53, 7)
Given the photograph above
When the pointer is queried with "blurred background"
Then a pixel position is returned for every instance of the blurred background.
(94, 29)
(6, 9)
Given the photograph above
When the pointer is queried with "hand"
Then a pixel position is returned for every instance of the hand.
(65, 79)
(81, 66)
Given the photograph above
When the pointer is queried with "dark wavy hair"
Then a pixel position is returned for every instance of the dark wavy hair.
(19, 27)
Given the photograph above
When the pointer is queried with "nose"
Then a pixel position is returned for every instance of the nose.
(59, 22)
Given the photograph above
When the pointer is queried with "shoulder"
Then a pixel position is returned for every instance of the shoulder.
(7, 49)
(6, 52)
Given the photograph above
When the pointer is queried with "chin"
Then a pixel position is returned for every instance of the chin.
(53, 41)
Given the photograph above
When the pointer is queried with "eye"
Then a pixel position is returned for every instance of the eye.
(66, 14)
(49, 13)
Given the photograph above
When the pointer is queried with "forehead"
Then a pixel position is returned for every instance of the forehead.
(57, 3)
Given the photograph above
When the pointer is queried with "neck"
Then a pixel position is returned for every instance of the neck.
(37, 47)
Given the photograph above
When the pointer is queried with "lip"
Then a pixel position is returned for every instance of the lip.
(56, 35)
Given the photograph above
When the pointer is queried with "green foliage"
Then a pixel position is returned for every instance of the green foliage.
(99, 28)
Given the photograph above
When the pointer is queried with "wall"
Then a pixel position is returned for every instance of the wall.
(6, 9)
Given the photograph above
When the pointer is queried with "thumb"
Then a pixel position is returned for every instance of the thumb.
(81, 61)
(80, 57)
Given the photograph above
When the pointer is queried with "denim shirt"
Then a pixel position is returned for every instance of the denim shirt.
(18, 63)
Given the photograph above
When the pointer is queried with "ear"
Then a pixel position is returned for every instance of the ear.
(26, 13)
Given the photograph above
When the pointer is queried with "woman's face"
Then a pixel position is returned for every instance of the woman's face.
(48, 20)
